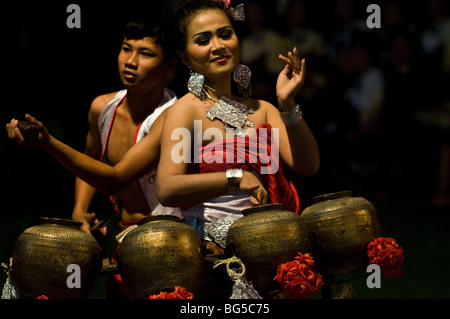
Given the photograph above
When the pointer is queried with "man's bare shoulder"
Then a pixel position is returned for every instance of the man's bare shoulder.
(102, 100)
(98, 104)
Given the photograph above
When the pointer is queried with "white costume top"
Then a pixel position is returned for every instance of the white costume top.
(147, 183)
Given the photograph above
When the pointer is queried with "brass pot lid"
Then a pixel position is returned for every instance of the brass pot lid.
(148, 219)
(321, 198)
(262, 208)
(339, 203)
(61, 222)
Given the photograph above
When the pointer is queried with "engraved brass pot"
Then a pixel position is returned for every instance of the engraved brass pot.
(265, 237)
(340, 228)
(158, 255)
(42, 255)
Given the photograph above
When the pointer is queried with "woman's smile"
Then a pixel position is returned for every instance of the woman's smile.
(221, 59)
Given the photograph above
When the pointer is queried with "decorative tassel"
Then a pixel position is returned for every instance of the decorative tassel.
(9, 288)
(241, 288)
(347, 291)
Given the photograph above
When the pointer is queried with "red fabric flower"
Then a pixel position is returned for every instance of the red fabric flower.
(386, 253)
(178, 293)
(161, 295)
(297, 277)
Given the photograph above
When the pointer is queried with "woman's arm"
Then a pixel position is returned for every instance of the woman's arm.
(298, 147)
(175, 187)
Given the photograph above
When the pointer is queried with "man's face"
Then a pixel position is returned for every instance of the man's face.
(142, 64)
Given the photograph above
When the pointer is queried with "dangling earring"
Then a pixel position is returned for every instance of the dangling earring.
(242, 76)
(196, 85)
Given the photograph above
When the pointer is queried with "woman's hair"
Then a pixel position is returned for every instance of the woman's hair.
(176, 12)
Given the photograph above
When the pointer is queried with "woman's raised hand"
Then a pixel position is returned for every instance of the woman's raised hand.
(291, 78)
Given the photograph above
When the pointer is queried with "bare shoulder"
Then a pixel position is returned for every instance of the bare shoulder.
(186, 101)
(184, 113)
(186, 107)
(261, 106)
(159, 121)
(99, 103)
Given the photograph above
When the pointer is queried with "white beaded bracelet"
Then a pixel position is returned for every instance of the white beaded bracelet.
(293, 116)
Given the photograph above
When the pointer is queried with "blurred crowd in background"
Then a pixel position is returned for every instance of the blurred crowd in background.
(376, 99)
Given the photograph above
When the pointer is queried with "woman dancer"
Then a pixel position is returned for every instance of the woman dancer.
(241, 167)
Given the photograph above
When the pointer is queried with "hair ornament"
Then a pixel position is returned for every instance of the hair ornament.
(238, 12)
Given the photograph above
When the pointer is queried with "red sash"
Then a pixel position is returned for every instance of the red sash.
(252, 153)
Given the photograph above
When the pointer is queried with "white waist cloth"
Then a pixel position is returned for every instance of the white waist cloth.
(219, 207)
(212, 219)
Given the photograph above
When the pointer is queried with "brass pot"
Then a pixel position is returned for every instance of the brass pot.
(158, 255)
(42, 255)
(340, 228)
(265, 237)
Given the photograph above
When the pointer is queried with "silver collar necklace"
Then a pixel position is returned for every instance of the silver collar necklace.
(230, 112)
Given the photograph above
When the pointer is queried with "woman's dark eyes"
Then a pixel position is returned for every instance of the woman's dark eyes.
(203, 40)
(148, 54)
(226, 34)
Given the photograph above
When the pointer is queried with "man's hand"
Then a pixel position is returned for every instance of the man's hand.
(14, 133)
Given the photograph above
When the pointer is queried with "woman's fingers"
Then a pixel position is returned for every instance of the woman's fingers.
(251, 185)
(284, 59)
(293, 61)
(260, 196)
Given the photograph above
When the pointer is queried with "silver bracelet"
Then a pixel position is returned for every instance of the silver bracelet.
(232, 174)
(293, 116)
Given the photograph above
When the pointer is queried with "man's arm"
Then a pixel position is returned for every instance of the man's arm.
(139, 160)
(84, 193)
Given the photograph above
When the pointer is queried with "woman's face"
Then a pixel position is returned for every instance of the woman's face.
(212, 47)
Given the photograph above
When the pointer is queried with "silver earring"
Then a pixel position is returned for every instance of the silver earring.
(196, 85)
(242, 76)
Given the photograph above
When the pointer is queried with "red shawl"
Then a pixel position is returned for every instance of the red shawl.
(253, 153)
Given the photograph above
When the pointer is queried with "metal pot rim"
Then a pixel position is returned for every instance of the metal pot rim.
(61, 222)
(262, 208)
(330, 196)
(148, 219)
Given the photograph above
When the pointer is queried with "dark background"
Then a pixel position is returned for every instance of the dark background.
(54, 72)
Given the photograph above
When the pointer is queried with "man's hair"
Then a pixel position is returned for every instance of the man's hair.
(138, 29)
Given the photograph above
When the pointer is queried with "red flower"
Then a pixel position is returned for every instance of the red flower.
(297, 277)
(386, 253)
(178, 293)
(161, 295)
